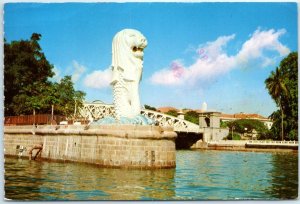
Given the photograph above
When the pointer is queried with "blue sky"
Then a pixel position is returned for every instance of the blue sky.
(218, 53)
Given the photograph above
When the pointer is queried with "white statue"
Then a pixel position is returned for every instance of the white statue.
(127, 66)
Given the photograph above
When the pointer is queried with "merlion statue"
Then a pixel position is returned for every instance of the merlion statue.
(127, 67)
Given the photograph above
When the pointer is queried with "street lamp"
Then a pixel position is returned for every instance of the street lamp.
(245, 131)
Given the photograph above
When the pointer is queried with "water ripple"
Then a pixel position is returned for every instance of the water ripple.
(199, 175)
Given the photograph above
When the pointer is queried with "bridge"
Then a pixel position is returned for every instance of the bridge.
(98, 110)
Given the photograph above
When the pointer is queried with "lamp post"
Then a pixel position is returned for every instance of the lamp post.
(232, 128)
(33, 117)
(52, 113)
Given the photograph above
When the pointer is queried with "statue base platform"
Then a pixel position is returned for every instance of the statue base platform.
(120, 146)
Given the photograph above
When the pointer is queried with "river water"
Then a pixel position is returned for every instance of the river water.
(199, 175)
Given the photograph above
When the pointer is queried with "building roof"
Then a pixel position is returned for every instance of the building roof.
(222, 116)
(243, 116)
(185, 110)
(166, 109)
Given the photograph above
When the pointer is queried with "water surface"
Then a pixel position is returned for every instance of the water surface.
(199, 175)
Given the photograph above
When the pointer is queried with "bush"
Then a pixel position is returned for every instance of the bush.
(235, 135)
(192, 116)
(172, 113)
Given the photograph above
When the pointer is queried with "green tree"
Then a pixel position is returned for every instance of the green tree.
(276, 127)
(150, 107)
(24, 63)
(277, 89)
(243, 126)
(172, 113)
(68, 98)
(31, 98)
(282, 85)
(192, 116)
(223, 124)
(27, 86)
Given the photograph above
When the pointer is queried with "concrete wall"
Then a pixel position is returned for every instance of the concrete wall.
(214, 134)
(129, 146)
(209, 119)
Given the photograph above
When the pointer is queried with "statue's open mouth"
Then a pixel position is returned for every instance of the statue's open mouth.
(135, 49)
(138, 51)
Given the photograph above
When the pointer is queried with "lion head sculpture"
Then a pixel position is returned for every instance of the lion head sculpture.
(127, 55)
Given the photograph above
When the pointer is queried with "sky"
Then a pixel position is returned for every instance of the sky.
(217, 53)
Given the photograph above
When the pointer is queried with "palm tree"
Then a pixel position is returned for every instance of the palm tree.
(277, 89)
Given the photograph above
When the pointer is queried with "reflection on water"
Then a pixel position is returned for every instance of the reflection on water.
(26, 180)
(235, 175)
(199, 175)
(284, 177)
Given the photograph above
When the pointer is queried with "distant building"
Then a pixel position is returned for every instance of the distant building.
(223, 116)
(231, 117)
(210, 122)
(185, 110)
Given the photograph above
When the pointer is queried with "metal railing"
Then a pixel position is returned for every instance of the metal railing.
(40, 119)
(97, 111)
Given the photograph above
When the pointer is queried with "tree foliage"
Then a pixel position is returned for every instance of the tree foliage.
(243, 126)
(277, 89)
(26, 81)
(24, 65)
(223, 124)
(192, 116)
(283, 88)
(172, 113)
(234, 136)
(150, 107)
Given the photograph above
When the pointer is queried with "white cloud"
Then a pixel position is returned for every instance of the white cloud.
(173, 75)
(213, 61)
(261, 41)
(57, 74)
(215, 48)
(78, 71)
(98, 79)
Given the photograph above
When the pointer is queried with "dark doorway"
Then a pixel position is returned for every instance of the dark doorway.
(207, 120)
(185, 140)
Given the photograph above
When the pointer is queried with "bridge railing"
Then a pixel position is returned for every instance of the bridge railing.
(254, 142)
(178, 124)
(271, 142)
(97, 111)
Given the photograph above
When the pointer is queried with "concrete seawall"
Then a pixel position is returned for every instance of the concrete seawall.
(246, 145)
(126, 146)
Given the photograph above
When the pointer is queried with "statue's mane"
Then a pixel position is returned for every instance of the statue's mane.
(121, 51)
(123, 59)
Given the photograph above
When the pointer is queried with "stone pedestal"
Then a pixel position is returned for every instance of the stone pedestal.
(123, 146)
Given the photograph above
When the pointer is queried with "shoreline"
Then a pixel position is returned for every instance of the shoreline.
(248, 145)
(244, 149)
